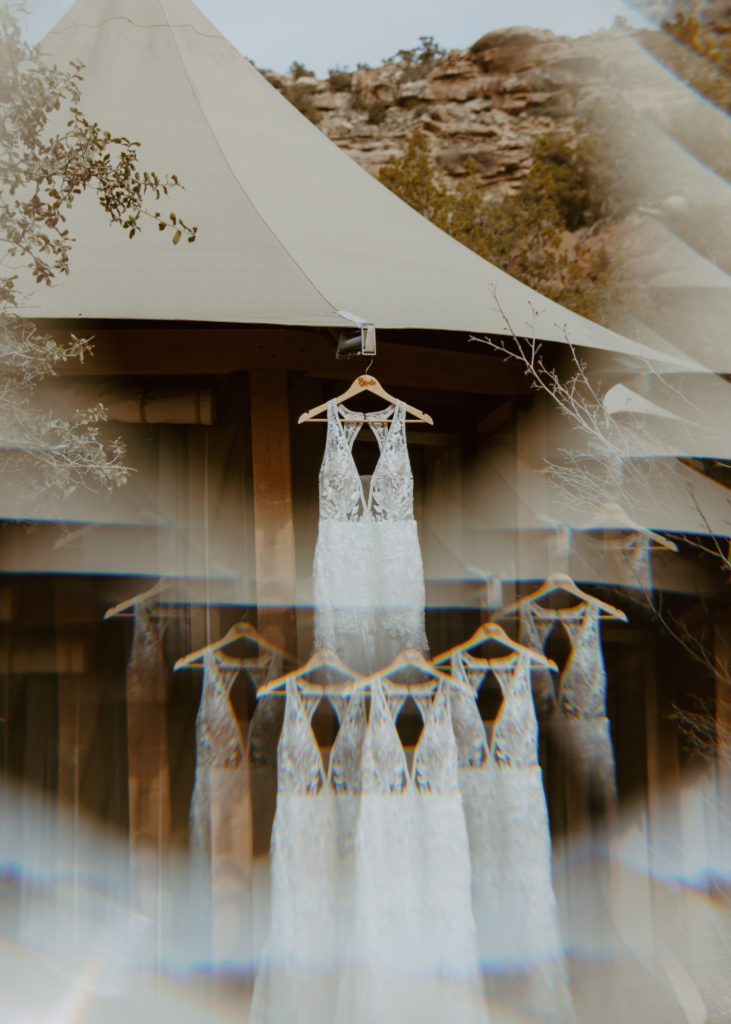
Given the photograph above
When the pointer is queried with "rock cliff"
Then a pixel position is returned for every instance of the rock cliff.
(490, 101)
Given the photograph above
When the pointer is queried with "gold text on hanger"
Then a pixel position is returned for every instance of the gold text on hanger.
(365, 383)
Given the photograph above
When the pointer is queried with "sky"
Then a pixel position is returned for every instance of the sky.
(327, 33)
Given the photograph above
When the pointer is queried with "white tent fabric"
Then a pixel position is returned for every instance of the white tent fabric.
(661, 494)
(290, 228)
(685, 414)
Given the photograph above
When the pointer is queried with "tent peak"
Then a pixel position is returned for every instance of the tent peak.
(141, 14)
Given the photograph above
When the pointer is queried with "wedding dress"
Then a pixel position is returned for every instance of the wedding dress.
(149, 772)
(221, 773)
(412, 956)
(575, 703)
(297, 978)
(220, 817)
(510, 846)
(368, 576)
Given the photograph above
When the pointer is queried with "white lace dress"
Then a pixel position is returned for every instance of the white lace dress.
(368, 576)
(575, 704)
(510, 846)
(221, 771)
(297, 979)
(412, 956)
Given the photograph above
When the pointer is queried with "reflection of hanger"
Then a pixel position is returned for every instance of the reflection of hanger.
(129, 605)
(610, 510)
(493, 631)
(561, 581)
(239, 631)
(409, 658)
(356, 683)
(365, 383)
(320, 659)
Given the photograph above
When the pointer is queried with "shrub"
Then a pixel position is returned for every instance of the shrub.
(377, 113)
(300, 96)
(340, 79)
(523, 234)
(359, 99)
(298, 70)
(697, 51)
(427, 52)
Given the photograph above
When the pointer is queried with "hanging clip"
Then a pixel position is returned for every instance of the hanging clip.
(361, 344)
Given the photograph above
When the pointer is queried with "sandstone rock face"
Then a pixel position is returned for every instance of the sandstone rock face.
(490, 102)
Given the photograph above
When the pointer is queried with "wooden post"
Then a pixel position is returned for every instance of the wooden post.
(148, 768)
(273, 513)
(275, 576)
(663, 790)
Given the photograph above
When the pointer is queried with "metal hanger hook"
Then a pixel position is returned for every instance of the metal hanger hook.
(370, 364)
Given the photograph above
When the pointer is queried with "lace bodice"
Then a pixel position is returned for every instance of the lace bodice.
(218, 737)
(389, 492)
(367, 756)
(435, 757)
(580, 690)
(145, 670)
(514, 736)
(299, 762)
(384, 762)
(347, 751)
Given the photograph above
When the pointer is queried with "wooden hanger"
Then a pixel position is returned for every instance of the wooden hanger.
(611, 510)
(493, 631)
(408, 658)
(562, 581)
(128, 606)
(320, 659)
(365, 383)
(239, 631)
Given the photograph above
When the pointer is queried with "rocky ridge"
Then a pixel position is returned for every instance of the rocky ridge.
(489, 102)
(666, 229)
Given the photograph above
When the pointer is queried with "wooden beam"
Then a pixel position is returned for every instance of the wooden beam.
(184, 350)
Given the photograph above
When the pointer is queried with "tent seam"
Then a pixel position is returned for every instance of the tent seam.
(136, 24)
(259, 214)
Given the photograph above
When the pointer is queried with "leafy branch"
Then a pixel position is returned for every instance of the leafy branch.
(50, 155)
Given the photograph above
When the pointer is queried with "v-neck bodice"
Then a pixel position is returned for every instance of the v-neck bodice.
(389, 495)
(580, 689)
(513, 738)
